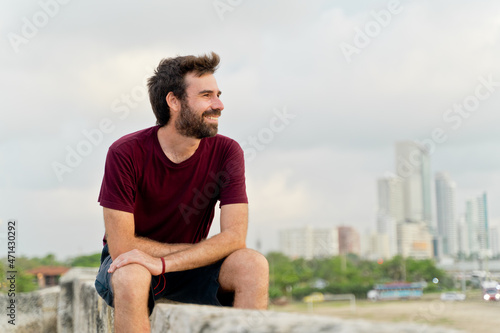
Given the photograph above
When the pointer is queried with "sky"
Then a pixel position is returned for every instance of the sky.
(317, 93)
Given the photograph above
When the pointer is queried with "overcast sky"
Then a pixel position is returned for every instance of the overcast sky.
(316, 92)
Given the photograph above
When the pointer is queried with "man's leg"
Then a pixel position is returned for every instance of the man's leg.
(131, 287)
(246, 272)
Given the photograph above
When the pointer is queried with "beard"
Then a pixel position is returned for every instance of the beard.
(190, 124)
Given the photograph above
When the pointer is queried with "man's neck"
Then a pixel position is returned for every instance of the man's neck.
(175, 146)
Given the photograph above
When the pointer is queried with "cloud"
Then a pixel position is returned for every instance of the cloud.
(280, 199)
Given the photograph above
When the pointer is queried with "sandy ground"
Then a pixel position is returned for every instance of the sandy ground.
(472, 315)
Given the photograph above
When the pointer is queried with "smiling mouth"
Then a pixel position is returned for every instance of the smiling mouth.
(213, 117)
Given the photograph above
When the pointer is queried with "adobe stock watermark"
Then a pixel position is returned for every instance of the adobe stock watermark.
(39, 20)
(371, 30)
(223, 6)
(255, 319)
(454, 118)
(92, 138)
(11, 272)
(256, 143)
(429, 314)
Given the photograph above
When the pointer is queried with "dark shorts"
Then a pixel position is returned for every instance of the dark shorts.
(196, 286)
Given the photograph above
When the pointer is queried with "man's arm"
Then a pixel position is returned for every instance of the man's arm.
(121, 238)
(234, 224)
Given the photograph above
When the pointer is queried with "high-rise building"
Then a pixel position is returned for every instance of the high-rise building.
(415, 240)
(484, 240)
(390, 209)
(446, 214)
(375, 246)
(309, 243)
(495, 240)
(476, 217)
(463, 238)
(413, 166)
(390, 197)
(349, 240)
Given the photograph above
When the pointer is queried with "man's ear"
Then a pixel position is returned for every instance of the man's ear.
(173, 102)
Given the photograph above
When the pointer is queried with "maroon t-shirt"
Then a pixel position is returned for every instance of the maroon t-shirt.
(172, 203)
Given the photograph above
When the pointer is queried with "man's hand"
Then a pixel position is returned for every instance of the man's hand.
(152, 264)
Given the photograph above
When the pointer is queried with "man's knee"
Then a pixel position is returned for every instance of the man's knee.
(256, 261)
(131, 280)
(247, 264)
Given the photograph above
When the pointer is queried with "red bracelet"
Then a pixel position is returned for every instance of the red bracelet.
(163, 265)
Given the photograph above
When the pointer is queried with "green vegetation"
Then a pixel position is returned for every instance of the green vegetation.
(92, 260)
(347, 274)
(27, 282)
(24, 282)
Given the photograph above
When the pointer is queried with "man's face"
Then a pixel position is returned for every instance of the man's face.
(201, 109)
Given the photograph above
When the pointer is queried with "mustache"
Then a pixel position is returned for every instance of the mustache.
(212, 112)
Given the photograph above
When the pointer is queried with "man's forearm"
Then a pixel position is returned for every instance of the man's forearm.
(157, 249)
(204, 253)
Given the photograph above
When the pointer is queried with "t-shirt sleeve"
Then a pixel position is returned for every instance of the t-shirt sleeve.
(233, 188)
(118, 185)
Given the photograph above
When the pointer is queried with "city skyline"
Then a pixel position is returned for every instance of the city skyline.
(404, 219)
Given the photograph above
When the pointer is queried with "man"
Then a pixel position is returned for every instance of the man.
(159, 194)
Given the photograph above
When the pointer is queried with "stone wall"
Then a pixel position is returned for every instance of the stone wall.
(74, 306)
(80, 307)
(35, 311)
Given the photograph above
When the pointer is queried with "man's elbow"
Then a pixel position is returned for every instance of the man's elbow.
(116, 248)
(114, 251)
(241, 245)
(239, 242)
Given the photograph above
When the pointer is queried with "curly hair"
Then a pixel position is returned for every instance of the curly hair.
(169, 77)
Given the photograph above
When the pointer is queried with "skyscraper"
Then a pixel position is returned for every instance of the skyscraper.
(413, 166)
(484, 230)
(404, 212)
(494, 232)
(446, 214)
(375, 246)
(414, 240)
(463, 238)
(476, 217)
(390, 210)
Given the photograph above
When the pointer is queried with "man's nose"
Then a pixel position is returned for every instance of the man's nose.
(217, 104)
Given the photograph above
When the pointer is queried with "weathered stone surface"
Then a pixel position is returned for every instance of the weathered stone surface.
(94, 315)
(173, 318)
(35, 311)
(80, 308)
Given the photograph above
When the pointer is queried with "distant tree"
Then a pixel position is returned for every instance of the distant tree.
(395, 269)
(24, 282)
(91, 260)
(347, 274)
(282, 272)
(49, 260)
